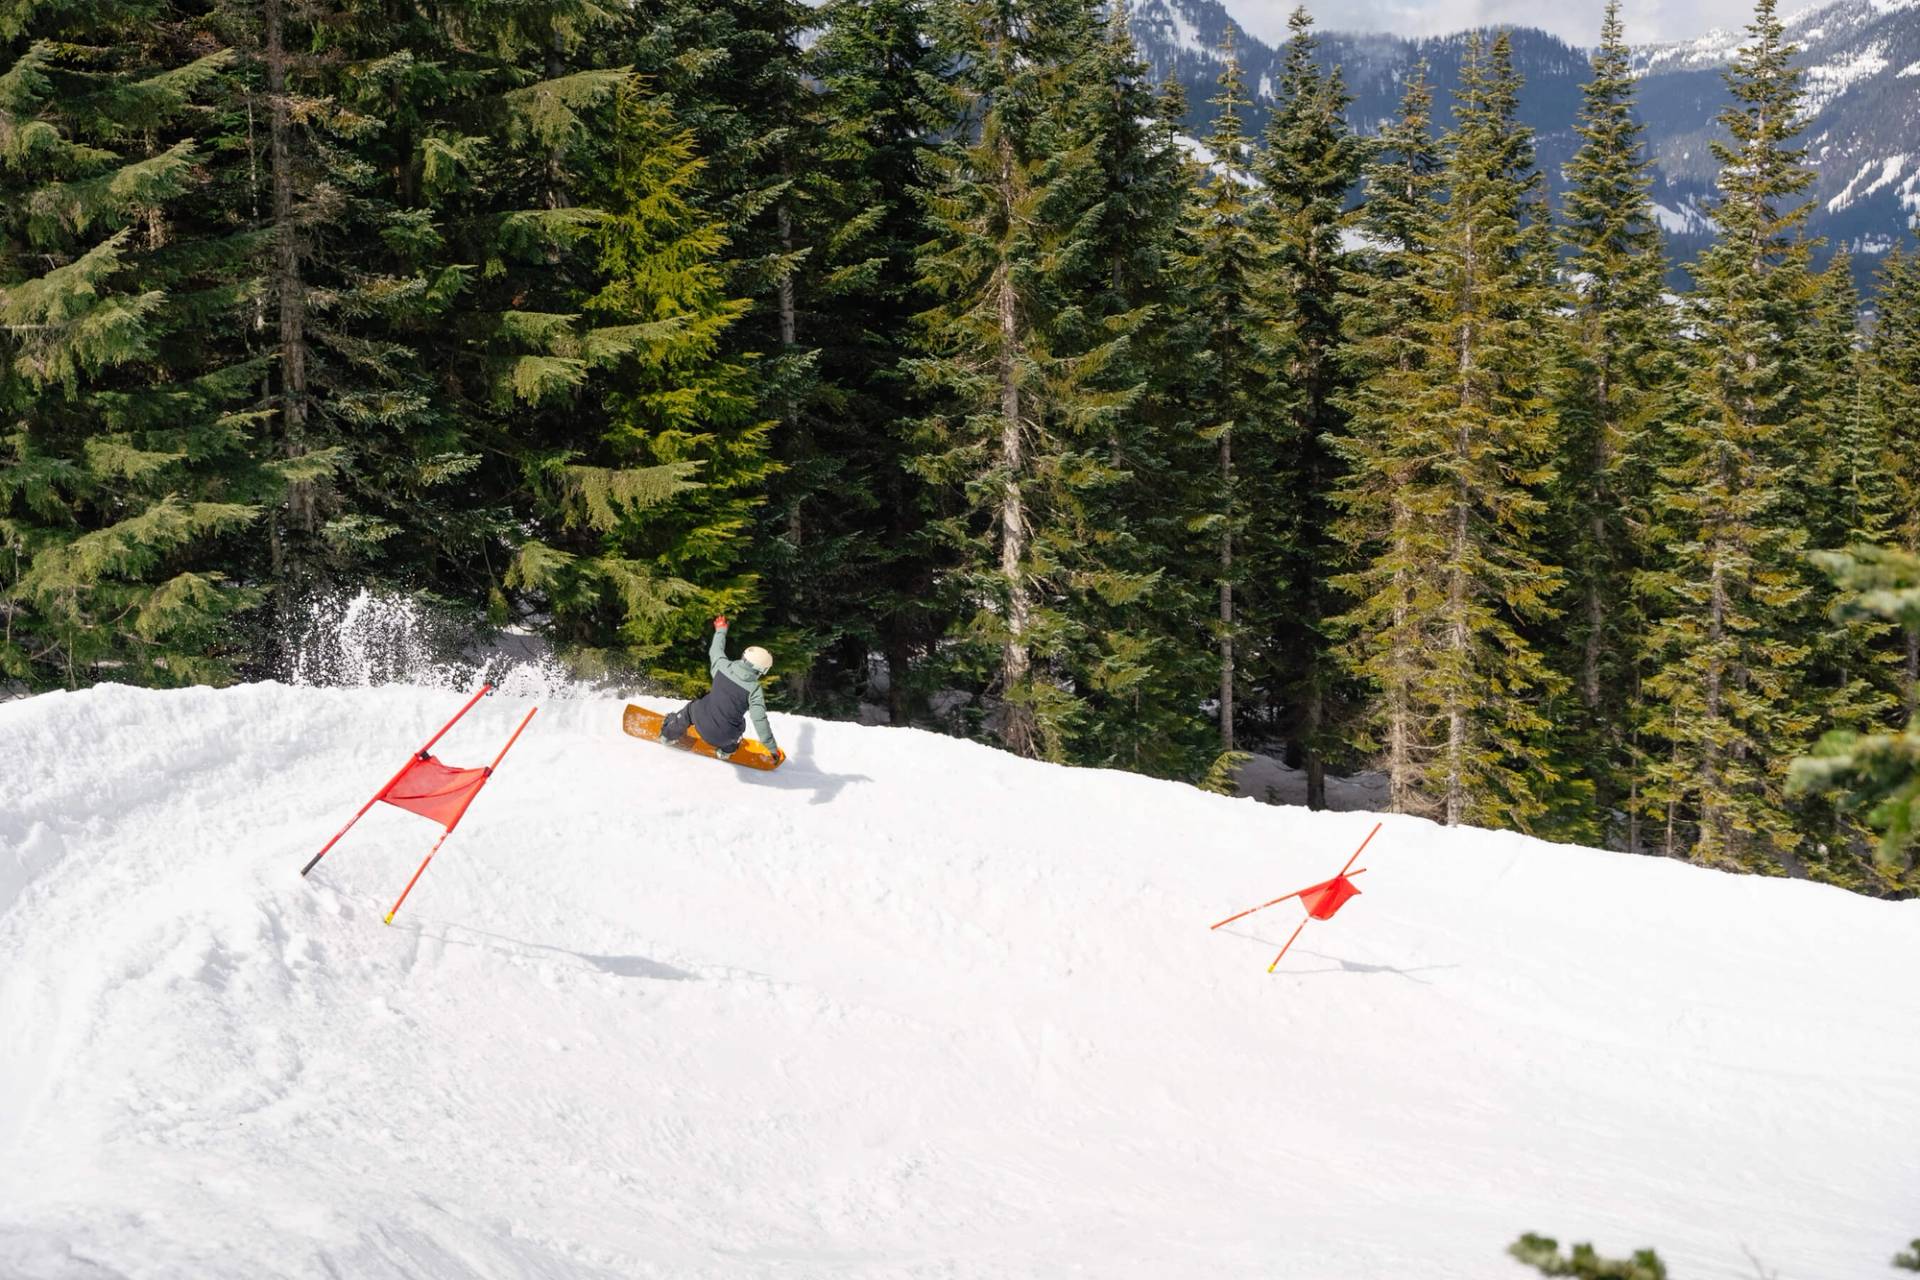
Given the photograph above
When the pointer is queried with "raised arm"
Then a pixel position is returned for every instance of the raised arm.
(717, 651)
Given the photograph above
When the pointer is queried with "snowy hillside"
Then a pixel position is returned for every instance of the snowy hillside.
(908, 1007)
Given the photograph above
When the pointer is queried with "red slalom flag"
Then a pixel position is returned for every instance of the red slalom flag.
(1322, 901)
(437, 791)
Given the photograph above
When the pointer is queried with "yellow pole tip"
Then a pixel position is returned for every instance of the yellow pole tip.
(389, 917)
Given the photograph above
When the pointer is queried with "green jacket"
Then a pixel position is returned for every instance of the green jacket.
(747, 676)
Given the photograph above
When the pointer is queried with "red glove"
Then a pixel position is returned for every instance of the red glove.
(720, 623)
(779, 756)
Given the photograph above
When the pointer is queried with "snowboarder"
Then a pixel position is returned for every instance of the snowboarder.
(721, 714)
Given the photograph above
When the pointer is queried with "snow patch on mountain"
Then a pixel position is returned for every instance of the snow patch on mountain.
(1908, 192)
(1714, 49)
(1890, 170)
(1167, 22)
(1688, 219)
(1911, 69)
(1828, 80)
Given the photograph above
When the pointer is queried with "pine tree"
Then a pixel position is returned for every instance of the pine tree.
(129, 457)
(1307, 168)
(1875, 776)
(737, 73)
(1136, 670)
(1231, 373)
(1894, 355)
(1727, 691)
(1841, 493)
(1470, 453)
(425, 167)
(1391, 540)
(1018, 445)
(645, 529)
(867, 516)
(1615, 378)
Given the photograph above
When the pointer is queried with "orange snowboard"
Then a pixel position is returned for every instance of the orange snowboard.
(642, 723)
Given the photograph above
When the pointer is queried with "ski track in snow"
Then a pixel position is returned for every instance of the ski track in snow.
(907, 1008)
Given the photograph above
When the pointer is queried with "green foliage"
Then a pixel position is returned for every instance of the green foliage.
(1876, 775)
(1613, 393)
(1229, 377)
(1727, 692)
(1222, 777)
(1462, 468)
(130, 463)
(1030, 388)
(1909, 1260)
(841, 538)
(1386, 629)
(643, 519)
(1544, 1256)
(1307, 165)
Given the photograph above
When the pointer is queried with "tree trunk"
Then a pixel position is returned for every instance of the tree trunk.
(1596, 581)
(1316, 766)
(1400, 789)
(1226, 596)
(1459, 638)
(1016, 659)
(287, 284)
(899, 657)
(1458, 641)
(796, 445)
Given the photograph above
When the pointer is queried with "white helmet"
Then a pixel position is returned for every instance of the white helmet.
(758, 657)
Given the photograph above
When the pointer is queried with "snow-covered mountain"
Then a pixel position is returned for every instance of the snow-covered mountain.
(909, 1007)
(1862, 63)
(1862, 74)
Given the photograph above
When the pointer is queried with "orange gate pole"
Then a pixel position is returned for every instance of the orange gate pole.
(1283, 950)
(487, 774)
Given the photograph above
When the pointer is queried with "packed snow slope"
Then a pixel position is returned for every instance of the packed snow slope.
(909, 1007)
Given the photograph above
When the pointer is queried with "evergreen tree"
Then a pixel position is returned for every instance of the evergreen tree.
(1470, 454)
(1391, 539)
(1019, 444)
(1894, 356)
(1232, 368)
(1840, 491)
(130, 451)
(1307, 168)
(1874, 775)
(736, 73)
(867, 514)
(429, 246)
(1615, 376)
(1137, 670)
(1727, 688)
(1843, 489)
(645, 531)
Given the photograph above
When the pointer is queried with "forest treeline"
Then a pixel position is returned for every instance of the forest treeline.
(911, 334)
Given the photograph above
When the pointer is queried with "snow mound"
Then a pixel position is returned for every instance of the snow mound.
(907, 1008)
